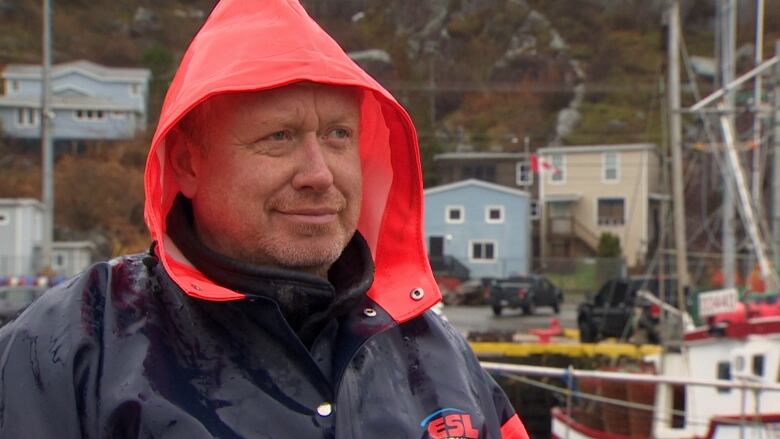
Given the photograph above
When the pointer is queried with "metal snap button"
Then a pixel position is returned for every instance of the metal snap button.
(369, 312)
(324, 409)
(417, 293)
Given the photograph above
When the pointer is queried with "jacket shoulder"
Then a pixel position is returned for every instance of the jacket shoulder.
(79, 300)
(50, 354)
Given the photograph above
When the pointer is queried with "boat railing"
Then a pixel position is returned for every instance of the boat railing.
(569, 376)
(743, 383)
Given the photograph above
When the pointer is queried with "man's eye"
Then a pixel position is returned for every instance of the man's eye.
(340, 133)
(279, 135)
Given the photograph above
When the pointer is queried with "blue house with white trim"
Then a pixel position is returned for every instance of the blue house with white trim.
(483, 226)
(89, 101)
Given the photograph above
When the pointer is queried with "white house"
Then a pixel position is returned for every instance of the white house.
(21, 232)
(89, 101)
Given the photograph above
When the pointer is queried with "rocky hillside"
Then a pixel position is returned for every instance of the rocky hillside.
(474, 73)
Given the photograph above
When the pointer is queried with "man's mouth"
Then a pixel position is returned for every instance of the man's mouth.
(310, 215)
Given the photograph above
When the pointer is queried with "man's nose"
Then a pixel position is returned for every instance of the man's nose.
(313, 171)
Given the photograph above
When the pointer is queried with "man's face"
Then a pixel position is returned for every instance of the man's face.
(278, 180)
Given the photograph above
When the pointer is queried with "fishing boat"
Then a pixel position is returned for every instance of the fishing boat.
(723, 381)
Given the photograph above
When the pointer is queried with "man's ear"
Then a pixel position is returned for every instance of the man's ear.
(184, 161)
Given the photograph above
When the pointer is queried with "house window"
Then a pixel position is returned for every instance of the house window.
(611, 164)
(483, 251)
(454, 214)
(135, 89)
(26, 117)
(5, 218)
(90, 115)
(494, 214)
(758, 365)
(480, 172)
(58, 261)
(534, 206)
(611, 212)
(523, 174)
(724, 373)
(559, 174)
(14, 85)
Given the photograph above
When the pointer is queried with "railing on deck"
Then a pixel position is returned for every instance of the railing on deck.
(570, 375)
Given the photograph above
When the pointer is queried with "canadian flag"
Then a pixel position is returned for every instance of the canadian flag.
(540, 165)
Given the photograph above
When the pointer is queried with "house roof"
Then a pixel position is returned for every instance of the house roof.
(562, 198)
(478, 183)
(598, 148)
(66, 103)
(479, 156)
(371, 55)
(63, 245)
(658, 196)
(97, 71)
(17, 202)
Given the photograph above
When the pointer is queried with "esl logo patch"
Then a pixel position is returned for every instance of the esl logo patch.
(449, 423)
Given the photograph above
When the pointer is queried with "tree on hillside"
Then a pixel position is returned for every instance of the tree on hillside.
(97, 196)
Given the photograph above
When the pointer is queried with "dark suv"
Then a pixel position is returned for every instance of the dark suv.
(525, 292)
(616, 309)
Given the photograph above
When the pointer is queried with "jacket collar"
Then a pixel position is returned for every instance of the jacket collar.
(307, 301)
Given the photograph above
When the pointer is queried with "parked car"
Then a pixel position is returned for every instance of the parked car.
(615, 310)
(14, 299)
(470, 292)
(524, 292)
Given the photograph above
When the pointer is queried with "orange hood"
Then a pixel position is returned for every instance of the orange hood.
(251, 45)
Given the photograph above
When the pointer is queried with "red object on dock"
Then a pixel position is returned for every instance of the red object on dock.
(544, 334)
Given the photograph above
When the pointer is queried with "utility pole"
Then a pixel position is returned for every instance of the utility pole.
(534, 196)
(675, 143)
(728, 25)
(47, 150)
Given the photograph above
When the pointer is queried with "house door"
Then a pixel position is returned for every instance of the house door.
(436, 246)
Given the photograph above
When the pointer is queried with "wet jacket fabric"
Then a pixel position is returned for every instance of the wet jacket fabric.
(121, 352)
(149, 346)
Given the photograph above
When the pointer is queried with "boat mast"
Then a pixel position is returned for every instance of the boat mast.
(757, 113)
(727, 14)
(675, 143)
(736, 174)
(746, 207)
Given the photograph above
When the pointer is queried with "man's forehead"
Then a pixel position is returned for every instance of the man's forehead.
(316, 90)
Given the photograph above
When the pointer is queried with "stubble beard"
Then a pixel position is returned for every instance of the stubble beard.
(311, 248)
(314, 249)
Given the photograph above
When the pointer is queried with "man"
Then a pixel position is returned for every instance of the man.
(286, 294)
